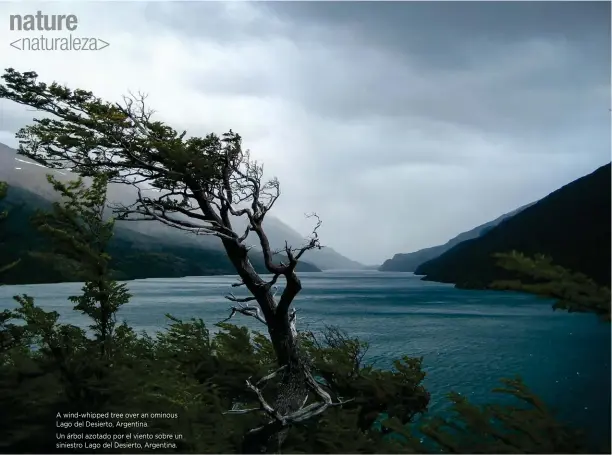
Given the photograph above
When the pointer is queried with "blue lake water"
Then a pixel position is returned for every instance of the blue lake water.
(469, 339)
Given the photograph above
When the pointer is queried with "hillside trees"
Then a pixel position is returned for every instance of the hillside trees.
(3, 236)
(573, 291)
(9, 333)
(80, 238)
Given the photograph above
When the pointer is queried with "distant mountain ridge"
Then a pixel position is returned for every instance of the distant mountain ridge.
(408, 262)
(571, 225)
(134, 255)
(21, 172)
(139, 249)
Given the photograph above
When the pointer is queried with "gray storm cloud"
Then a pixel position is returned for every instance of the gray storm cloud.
(401, 124)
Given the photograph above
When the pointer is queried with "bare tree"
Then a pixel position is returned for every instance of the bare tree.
(202, 183)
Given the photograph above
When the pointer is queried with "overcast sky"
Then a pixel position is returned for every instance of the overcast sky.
(400, 124)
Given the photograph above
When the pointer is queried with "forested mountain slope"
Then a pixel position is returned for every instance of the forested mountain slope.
(408, 262)
(570, 225)
(135, 255)
(21, 172)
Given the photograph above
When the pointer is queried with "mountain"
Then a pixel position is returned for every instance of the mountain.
(134, 255)
(31, 176)
(326, 258)
(570, 225)
(139, 249)
(408, 262)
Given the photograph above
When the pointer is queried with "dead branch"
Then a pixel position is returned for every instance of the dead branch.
(233, 298)
(247, 310)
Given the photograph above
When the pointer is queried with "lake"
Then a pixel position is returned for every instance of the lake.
(469, 339)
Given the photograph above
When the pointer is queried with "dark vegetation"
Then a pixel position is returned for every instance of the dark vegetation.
(232, 390)
(571, 226)
(573, 291)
